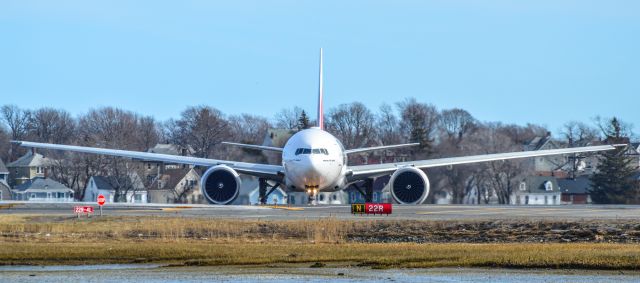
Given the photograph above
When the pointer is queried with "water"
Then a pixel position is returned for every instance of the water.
(154, 273)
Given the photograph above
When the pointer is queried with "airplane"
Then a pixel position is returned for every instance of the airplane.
(314, 160)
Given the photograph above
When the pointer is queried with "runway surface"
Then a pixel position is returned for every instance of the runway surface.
(421, 212)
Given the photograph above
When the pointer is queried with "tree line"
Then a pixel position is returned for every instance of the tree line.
(441, 133)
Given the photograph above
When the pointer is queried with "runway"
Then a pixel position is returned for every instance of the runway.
(400, 212)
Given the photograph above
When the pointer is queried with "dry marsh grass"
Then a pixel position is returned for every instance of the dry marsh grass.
(585, 256)
(199, 241)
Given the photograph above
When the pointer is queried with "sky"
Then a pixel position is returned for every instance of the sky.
(542, 62)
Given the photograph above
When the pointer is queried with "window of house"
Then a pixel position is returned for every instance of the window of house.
(526, 200)
(0, 195)
(321, 197)
(353, 197)
(523, 186)
(335, 197)
(33, 195)
(375, 197)
(548, 186)
(148, 165)
(137, 197)
(292, 200)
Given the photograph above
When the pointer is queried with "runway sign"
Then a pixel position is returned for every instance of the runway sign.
(371, 208)
(83, 209)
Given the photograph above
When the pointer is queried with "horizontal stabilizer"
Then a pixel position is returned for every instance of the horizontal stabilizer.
(252, 146)
(356, 150)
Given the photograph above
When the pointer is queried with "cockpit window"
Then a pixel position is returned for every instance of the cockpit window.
(312, 151)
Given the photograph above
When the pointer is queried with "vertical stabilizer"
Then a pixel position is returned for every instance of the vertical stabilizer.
(320, 94)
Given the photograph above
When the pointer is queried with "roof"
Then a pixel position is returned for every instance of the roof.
(579, 185)
(44, 184)
(170, 178)
(3, 169)
(30, 159)
(102, 183)
(536, 184)
(538, 142)
(106, 182)
(171, 149)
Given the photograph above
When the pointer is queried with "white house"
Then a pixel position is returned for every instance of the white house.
(134, 193)
(537, 190)
(42, 189)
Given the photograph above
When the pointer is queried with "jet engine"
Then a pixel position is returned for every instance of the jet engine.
(409, 185)
(220, 184)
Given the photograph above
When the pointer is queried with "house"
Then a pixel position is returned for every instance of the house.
(153, 169)
(576, 190)
(537, 190)
(250, 193)
(29, 166)
(42, 189)
(278, 196)
(547, 165)
(132, 189)
(5, 190)
(381, 192)
(176, 186)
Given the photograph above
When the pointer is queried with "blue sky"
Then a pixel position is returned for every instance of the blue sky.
(544, 62)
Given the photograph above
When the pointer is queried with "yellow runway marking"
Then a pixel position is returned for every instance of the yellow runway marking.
(170, 209)
(285, 207)
(457, 211)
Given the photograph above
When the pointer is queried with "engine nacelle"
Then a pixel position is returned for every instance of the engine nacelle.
(220, 184)
(409, 185)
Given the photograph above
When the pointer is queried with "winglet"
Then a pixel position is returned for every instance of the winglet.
(320, 94)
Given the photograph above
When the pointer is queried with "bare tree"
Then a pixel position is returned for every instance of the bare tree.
(388, 126)
(5, 146)
(51, 126)
(456, 123)
(17, 120)
(201, 128)
(353, 124)
(418, 122)
(578, 133)
(147, 133)
(288, 118)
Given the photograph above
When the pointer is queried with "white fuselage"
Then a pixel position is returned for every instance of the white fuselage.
(314, 159)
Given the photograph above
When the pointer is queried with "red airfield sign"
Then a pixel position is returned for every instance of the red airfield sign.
(101, 200)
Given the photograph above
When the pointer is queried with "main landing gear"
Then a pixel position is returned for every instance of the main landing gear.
(366, 189)
(264, 190)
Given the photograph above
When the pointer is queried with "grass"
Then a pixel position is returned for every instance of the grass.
(195, 241)
(579, 256)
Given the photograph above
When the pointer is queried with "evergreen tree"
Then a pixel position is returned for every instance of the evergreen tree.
(612, 182)
(303, 121)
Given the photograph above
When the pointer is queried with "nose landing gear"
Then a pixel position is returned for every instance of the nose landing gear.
(368, 189)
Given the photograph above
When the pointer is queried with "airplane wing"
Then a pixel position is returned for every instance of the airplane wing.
(260, 170)
(363, 171)
(252, 146)
(355, 150)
